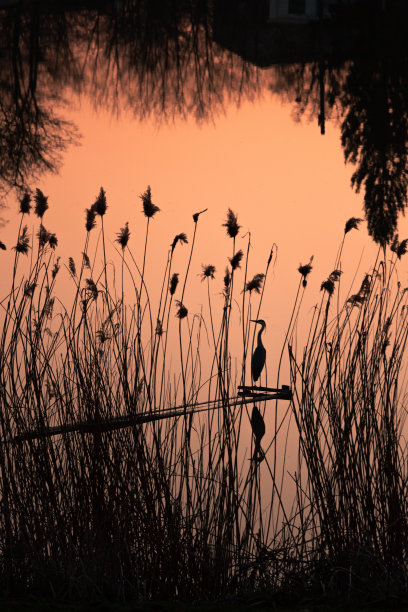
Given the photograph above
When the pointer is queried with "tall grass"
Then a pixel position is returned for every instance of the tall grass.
(163, 508)
(182, 507)
(350, 392)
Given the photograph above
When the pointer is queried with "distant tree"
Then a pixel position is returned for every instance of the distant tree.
(374, 134)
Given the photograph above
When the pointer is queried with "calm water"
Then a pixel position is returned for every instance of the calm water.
(129, 96)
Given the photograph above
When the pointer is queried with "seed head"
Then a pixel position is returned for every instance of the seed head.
(255, 284)
(123, 236)
(327, 285)
(182, 311)
(208, 272)
(231, 224)
(400, 248)
(25, 205)
(43, 236)
(227, 280)
(197, 214)
(173, 283)
(182, 238)
(41, 203)
(56, 268)
(85, 260)
(90, 222)
(305, 271)
(99, 206)
(53, 241)
(149, 209)
(159, 327)
(71, 266)
(235, 261)
(352, 223)
(29, 288)
(23, 243)
(335, 275)
(92, 288)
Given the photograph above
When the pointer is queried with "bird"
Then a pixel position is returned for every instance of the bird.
(259, 355)
(258, 429)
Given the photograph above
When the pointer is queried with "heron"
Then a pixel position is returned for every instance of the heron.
(258, 429)
(259, 356)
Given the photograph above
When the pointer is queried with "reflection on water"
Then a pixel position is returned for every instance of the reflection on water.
(189, 58)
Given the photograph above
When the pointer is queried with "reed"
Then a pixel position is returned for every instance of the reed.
(165, 509)
(177, 507)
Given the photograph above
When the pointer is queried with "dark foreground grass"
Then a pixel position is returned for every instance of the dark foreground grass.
(257, 604)
(186, 508)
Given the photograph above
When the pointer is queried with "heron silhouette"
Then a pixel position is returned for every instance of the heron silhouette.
(258, 429)
(259, 355)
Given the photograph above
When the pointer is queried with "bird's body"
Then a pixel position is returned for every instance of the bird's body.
(258, 429)
(259, 355)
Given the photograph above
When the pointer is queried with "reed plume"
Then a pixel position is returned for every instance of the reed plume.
(231, 224)
(182, 238)
(90, 221)
(41, 203)
(208, 272)
(122, 237)
(236, 259)
(352, 223)
(100, 206)
(149, 209)
(23, 243)
(25, 204)
(255, 284)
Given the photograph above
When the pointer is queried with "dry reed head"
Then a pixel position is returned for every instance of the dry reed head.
(46, 237)
(231, 224)
(149, 209)
(255, 284)
(182, 311)
(235, 261)
(91, 288)
(173, 283)
(159, 327)
(335, 275)
(85, 260)
(352, 223)
(53, 241)
(55, 268)
(25, 205)
(197, 214)
(208, 272)
(29, 288)
(305, 270)
(399, 248)
(23, 243)
(123, 236)
(327, 285)
(227, 282)
(182, 238)
(41, 203)
(100, 206)
(71, 266)
(90, 222)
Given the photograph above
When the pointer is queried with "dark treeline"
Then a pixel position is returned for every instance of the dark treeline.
(171, 58)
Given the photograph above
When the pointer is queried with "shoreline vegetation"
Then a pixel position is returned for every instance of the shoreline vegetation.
(183, 509)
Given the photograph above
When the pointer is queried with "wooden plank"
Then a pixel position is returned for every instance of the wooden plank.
(102, 426)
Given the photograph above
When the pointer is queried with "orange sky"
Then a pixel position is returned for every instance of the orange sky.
(288, 184)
